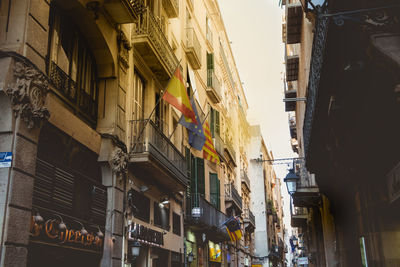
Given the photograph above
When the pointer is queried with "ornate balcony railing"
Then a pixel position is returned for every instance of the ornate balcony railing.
(317, 59)
(201, 212)
(231, 152)
(76, 97)
(171, 8)
(213, 86)
(231, 194)
(152, 44)
(245, 178)
(249, 217)
(193, 48)
(150, 144)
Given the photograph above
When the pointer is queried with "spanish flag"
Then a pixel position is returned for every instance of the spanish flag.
(177, 96)
(209, 152)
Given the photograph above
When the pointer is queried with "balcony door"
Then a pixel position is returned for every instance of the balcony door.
(215, 190)
(137, 103)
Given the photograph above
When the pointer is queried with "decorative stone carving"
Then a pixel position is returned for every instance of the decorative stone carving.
(119, 162)
(28, 94)
(124, 48)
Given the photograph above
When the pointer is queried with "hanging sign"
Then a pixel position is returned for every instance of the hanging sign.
(5, 159)
(51, 232)
(146, 235)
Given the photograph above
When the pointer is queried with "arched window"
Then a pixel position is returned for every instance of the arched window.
(72, 67)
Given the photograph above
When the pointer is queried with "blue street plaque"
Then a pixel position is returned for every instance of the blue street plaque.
(5, 159)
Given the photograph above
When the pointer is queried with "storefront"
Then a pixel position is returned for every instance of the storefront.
(69, 204)
(215, 254)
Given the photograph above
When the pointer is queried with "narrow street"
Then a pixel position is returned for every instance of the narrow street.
(199, 133)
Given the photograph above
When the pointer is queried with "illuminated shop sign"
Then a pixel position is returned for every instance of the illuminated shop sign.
(56, 231)
(146, 235)
(215, 252)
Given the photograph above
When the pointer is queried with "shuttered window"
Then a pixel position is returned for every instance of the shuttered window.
(215, 190)
(214, 122)
(197, 182)
(176, 223)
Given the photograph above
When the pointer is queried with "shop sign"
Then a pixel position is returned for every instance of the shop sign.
(393, 183)
(146, 235)
(49, 231)
(302, 260)
(215, 252)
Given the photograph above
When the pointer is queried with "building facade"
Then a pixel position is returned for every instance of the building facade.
(98, 161)
(345, 208)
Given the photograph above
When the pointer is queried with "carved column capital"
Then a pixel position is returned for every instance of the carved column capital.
(119, 162)
(28, 94)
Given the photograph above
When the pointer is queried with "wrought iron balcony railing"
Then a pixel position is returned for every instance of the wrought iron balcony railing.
(231, 152)
(193, 49)
(317, 58)
(82, 102)
(213, 86)
(249, 217)
(201, 212)
(245, 178)
(171, 7)
(152, 44)
(231, 194)
(155, 151)
(124, 11)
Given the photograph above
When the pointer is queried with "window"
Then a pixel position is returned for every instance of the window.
(142, 203)
(197, 184)
(176, 223)
(208, 30)
(214, 122)
(72, 67)
(161, 216)
(214, 190)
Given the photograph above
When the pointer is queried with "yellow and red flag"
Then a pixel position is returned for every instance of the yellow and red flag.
(177, 96)
(209, 152)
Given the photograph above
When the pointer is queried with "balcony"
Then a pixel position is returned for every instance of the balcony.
(299, 217)
(292, 68)
(124, 11)
(203, 216)
(249, 220)
(76, 97)
(154, 157)
(171, 7)
(317, 59)
(245, 179)
(230, 152)
(307, 192)
(232, 198)
(219, 146)
(294, 19)
(292, 126)
(213, 87)
(291, 92)
(193, 49)
(152, 45)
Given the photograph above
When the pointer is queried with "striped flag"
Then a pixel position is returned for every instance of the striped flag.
(209, 152)
(233, 228)
(177, 96)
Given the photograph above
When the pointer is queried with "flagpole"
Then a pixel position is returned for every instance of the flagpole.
(158, 102)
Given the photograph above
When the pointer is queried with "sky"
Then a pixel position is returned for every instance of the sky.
(254, 28)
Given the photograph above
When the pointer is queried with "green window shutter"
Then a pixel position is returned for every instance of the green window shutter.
(214, 190)
(218, 194)
(200, 176)
(210, 61)
(217, 124)
(212, 122)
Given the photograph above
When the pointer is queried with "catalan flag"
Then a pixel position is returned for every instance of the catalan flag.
(177, 96)
(233, 228)
(209, 152)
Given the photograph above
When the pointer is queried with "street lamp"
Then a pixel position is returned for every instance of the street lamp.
(134, 250)
(190, 257)
(291, 180)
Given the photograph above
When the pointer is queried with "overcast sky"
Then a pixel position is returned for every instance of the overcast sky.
(255, 29)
